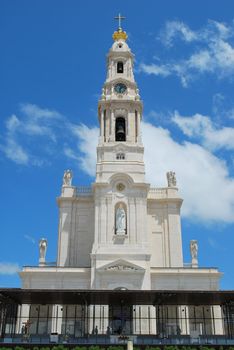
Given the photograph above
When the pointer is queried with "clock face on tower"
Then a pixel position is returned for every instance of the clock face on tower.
(120, 88)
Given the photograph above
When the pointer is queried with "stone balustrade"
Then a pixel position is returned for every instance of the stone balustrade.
(82, 191)
(163, 193)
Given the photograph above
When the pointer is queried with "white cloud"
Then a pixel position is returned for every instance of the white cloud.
(213, 52)
(36, 112)
(88, 139)
(200, 126)
(223, 107)
(8, 268)
(39, 121)
(202, 61)
(30, 238)
(230, 113)
(12, 123)
(200, 174)
(32, 122)
(15, 151)
(176, 28)
(155, 69)
(223, 29)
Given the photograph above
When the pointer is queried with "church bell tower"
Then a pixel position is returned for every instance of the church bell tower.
(120, 238)
(120, 233)
(120, 148)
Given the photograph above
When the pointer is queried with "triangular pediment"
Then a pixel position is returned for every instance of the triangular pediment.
(121, 265)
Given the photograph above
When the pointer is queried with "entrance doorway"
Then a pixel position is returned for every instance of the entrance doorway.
(120, 319)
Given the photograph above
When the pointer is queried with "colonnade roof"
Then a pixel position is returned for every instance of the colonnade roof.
(116, 297)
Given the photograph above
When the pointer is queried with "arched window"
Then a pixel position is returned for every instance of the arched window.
(120, 67)
(120, 129)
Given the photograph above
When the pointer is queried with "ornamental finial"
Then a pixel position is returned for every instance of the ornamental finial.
(119, 34)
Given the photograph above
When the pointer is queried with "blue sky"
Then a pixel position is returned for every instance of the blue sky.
(52, 67)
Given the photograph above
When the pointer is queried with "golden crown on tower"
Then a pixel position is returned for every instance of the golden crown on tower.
(119, 34)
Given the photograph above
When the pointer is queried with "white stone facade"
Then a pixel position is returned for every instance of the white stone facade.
(147, 252)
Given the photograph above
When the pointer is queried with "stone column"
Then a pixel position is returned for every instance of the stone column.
(136, 320)
(218, 327)
(166, 241)
(22, 316)
(57, 318)
(110, 219)
(138, 127)
(108, 116)
(129, 345)
(105, 318)
(174, 235)
(64, 233)
(183, 313)
(100, 319)
(102, 126)
(132, 220)
(97, 221)
(153, 324)
(103, 221)
(112, 125)
(141, 220)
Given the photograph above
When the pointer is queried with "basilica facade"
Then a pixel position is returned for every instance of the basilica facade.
(119, 270)
(120, 233)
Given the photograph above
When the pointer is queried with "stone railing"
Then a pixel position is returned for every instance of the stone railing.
(83, 191)
(158, 192)
(163, 193)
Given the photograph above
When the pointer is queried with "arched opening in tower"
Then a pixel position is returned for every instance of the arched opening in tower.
(120, 68)
(120, 129)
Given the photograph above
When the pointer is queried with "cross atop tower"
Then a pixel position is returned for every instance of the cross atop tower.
(119, 18)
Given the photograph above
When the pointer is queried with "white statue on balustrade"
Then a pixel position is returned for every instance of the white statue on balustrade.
(171, 179)
(120, 220)
(194, 252)
(67, 178)
(42, 251)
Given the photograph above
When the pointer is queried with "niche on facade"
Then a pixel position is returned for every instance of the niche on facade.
(120, 219)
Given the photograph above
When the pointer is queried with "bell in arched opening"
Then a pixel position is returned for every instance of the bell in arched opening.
(120, 129)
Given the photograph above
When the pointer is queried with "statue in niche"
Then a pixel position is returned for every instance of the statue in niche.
(67, 178)
(171, 179)
(42, 251)
(120, 220)
(194, 251)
